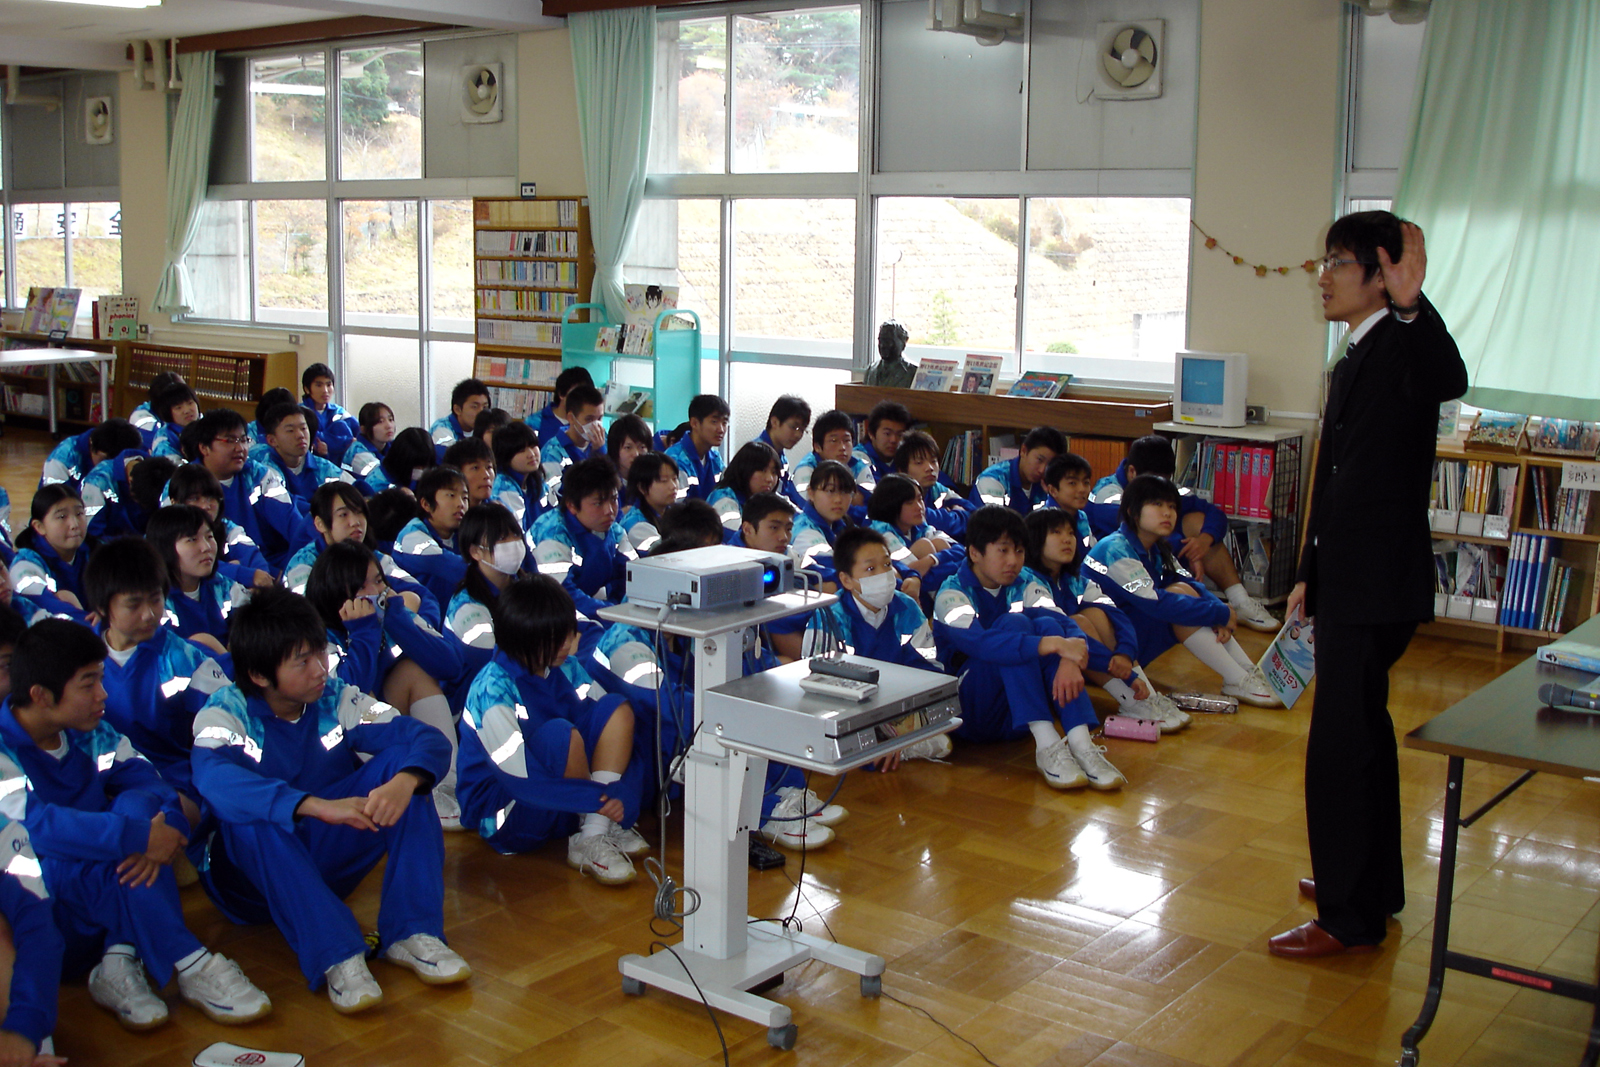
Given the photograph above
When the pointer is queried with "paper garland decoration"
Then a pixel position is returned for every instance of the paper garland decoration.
(1261, 269)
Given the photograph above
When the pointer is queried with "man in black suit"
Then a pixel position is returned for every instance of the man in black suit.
(1367, 571)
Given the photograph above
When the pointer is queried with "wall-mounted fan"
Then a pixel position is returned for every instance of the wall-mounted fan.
(97, 119)
(480, 93)
(1131, 57)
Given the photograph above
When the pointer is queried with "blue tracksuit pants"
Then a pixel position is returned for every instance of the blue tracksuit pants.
(998, 701)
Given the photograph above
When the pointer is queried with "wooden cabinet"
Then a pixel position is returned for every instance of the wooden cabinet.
(219, 377)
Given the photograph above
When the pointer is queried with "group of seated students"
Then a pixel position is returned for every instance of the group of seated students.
(263, 656)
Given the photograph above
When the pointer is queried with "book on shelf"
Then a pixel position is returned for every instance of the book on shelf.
(554, 274)
(962, 454)
(520, 334)
(551, 212)
(519, 403)
(606, 338)
(1497, 429)
(50, 308)
(500, 369)
(547, 244)
(1565, 437)
(979, 373)
(1538, 585)
(1039, 385)
(934, 374)
(117, 317)
(624, 399)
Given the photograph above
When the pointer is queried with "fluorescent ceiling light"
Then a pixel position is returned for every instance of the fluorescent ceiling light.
(111, 3)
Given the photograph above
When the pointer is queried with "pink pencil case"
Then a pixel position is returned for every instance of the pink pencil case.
(1131, 728)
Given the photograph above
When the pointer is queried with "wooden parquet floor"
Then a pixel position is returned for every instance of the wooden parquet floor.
(1120, 930)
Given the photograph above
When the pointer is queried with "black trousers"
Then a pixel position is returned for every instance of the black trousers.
(1353, 781)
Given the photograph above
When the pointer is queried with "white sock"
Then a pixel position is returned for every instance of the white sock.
(1203, 643)
(1236, 594)
(1122, 691)
(1044, 733)
(1079, 739)
(435, 711)
(193, 959)
(595, 824)
(1138, 672)
(1240, 656)
(122, 950)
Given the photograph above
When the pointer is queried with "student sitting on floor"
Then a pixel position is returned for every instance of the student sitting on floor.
(1197, 540)
(121, 493)
(376, 431)
(176, 407)
(918, 459)
(338, 514)
(1069, 480)
(240, 559)
(278, 756)
(1019, 483)
(1021, 668)
(143, 417)
(887, 424)
(30, 954)
(627, 440)
(767, 525)
(288, 451)
(335, 427)
(253, 494)
(490, 422)
(106, 828)
(475, 460)
(200, 597)
(786, 425)
(1055, 556)
(71, 460)
(52, 552)
(553, 416)
(583, 438)
(1136, 567)
(829, 490)
(832, 437)
(580, 543)
(698, 453)
(411, 454)
(897, 511)
(378, 643)
(651, 487)
(467, 399)
(753, 469)
(496, 552)
(155, 680)
(426, 546)
(519, 477)
(538, 747)
(265, 403)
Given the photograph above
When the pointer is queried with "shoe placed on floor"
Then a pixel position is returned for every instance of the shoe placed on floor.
(219, 988)
(1253, 689)
(1308, 889)
(1252, 613)
(435, 962)
(815, 810)
(788, 828)
(444, 801)
(351, 986)
(118, 984)
(937, 747)
(629, 842)
(1168, 711)
(1059, 768)
(1097, 769)
(1308, 941)
(601, 860)
(1149, 709)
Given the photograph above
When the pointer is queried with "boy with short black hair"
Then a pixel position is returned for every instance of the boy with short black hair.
(1202, 527)
(1019, 483)
(766, 524)
(175, 407)
(143, 417)
(833, 437)
(918, 459)
(1020, 660)
(253, 494)
(700, 463)
(467, 399)
(582, 438)
(473, 457)
(278, 756)
(106, 829)
(887, 424)
(289, 442)
(72, 459)
(580, 543)
(426, 546)
(553, 416)
(335, 427)
(786, 425)
(1069, 480)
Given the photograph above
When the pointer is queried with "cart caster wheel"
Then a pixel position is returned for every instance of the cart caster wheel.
(632, 987)
(782, 1036)
(1408, 1059)
(872, 985)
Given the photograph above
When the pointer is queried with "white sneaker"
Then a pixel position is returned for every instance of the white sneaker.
(601, 860)
(1168, 708)
(829, 815)
(435, 962)
(1252, 613)
(787, 827)
(1149, 709)
(444, 801)
(1098, 770)
(1253, 689)
(118, 984)
(351, 986)
(629, 842)
(219, 988)
(937, 747)
(1059, 768)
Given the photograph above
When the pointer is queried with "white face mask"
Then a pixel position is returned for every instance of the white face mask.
(876, 590)
(416, 472)
(508, 556)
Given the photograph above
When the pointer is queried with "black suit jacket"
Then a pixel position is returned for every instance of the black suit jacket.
(1369, 554)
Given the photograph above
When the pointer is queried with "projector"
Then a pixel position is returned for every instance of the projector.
(717, 577)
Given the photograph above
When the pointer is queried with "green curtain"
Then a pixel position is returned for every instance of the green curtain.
(614, 62)
(1503, 175)
(188, 168)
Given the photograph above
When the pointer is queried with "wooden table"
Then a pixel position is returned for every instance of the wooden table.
(51, 358)
(1504, 723)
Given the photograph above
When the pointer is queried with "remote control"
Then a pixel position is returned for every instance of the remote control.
(826, 685)
(843, 668)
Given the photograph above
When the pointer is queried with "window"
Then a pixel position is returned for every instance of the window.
(380, 263)
(450, 266)
(794, 276)
(77, 245)
(947, 270)
(380, 112)
(40, 231)
(288, 119)
(96, 251)
(291, 261)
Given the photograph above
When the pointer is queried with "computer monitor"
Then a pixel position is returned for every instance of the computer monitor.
(1208, 388)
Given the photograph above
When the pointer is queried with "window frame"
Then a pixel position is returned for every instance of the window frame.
(10, 296)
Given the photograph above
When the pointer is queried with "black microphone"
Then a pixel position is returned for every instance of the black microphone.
(1559, 695)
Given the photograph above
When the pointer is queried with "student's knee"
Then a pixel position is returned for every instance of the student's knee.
(1014, 621)
(1182, 588)
(1193, 523)
(577, 758)
(1093, 621)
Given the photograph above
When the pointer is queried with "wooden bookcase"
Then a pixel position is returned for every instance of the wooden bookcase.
(532, 261)
(77, 386)
(1581, 549)
(219, 377)
(673, 365)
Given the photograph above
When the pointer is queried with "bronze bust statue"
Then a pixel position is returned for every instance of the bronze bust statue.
(892, 370)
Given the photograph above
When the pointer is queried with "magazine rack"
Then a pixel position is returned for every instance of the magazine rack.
(673, 367)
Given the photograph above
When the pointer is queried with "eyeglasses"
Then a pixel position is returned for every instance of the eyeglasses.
(1327, 263)
(233, 440)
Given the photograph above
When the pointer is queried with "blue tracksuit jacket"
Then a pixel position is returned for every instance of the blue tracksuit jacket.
(1002, 484)
(1106, 502)
(433, 559)
(207, 611)
(592, 568)
(363, 654)
(153, 698)
(26, 905)
(68, 462)
(697, 474)
(904, 637)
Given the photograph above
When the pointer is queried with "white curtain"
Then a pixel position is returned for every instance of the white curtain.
(188, 168)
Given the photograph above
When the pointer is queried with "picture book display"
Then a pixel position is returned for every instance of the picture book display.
(1039, 385)
(644, 303)
(1289, 663)
(1497, 429)
(979, 374)
(935, 375)
(118, 317)
(50, 309)
(1565, 437)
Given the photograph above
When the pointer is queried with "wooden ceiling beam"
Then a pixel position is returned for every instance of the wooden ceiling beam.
(322, 31)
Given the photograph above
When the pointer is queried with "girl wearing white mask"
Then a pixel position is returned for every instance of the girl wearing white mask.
(496, 550)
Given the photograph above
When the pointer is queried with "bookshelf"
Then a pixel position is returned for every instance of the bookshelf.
(1496, 524)
(532, 262)
(219, 377)
(77, 393)
(673, 367)
(1262, 503)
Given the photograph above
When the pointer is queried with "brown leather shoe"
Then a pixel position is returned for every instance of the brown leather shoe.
(1309, 941)
(1308, 889)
